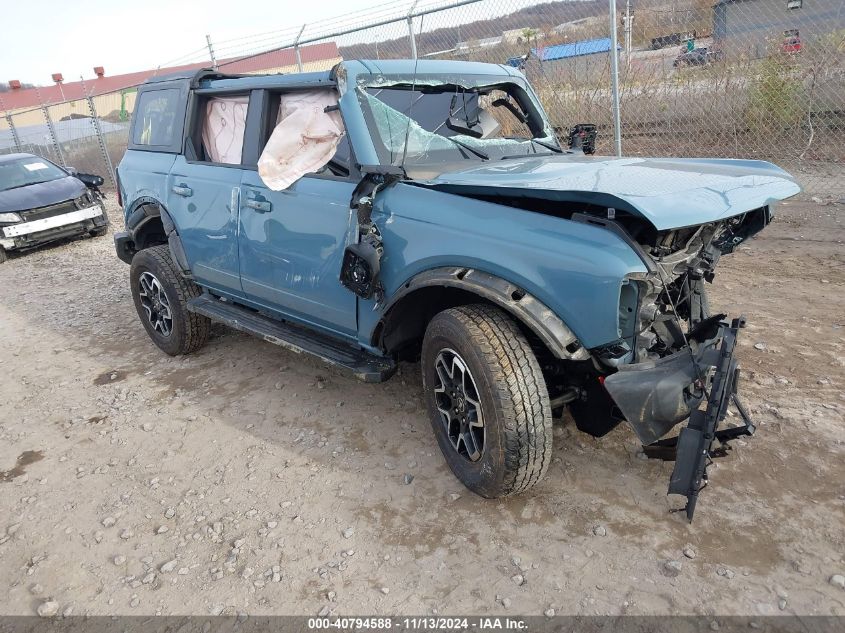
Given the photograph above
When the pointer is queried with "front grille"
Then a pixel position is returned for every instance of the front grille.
(49, 211)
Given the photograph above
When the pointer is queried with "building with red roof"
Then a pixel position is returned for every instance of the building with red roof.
(321, 56)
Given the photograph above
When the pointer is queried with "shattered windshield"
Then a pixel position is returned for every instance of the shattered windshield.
(448, 122)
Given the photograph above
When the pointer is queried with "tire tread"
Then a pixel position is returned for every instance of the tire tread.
(197, 327)
(522, 393)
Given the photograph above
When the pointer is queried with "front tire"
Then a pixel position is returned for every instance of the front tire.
(161, 296)
(487, 400)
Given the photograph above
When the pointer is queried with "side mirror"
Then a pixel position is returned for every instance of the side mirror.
(90, 180)
(582, 137)
(361, 266)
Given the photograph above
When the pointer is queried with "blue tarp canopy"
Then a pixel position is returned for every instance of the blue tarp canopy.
(575, 49)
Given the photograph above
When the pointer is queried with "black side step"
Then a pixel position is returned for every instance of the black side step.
(363, 365)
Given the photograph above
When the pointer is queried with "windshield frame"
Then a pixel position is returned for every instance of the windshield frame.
(62, 173)
(516, 86)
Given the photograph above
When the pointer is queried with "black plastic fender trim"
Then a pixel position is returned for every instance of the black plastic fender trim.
(124, 246)
(145, 209)
(141, 211)
(540, 319)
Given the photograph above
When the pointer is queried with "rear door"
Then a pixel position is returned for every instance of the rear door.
(204, 188)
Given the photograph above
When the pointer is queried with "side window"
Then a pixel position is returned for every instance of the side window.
(342, 159)
(156, 117)
(305, 135)
(222, 122)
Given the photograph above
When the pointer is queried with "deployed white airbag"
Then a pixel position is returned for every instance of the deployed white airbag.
(223, 132)
(304, 140)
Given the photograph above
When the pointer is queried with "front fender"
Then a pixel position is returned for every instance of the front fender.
(575, 270)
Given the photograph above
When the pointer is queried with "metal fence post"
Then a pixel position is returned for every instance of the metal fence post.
(411, 31)
(101, 139)
(411, 37)
(211, 52)
(53, 137)
(296, 48)
(614, 79)
(14, 132)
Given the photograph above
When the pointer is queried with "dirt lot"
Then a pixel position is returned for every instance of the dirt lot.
(247, 479)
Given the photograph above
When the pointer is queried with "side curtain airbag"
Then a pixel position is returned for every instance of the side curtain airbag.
(304, 140)
(223, 132)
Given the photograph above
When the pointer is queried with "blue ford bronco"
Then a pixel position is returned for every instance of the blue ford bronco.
(401, 210)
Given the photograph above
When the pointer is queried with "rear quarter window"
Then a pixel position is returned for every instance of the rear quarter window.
(158, 118)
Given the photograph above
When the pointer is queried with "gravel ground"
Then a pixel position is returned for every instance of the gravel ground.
(244, 479)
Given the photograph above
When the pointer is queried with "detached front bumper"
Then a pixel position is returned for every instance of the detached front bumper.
(655, 396)
(36, 232)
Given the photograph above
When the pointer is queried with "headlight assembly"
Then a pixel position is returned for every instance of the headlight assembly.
(9, 218)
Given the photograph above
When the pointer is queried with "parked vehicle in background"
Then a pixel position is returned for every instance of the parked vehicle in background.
(697, 57)
(791, 44)
(672, 39)
(401, 209)
(518, 62)
(41, 202)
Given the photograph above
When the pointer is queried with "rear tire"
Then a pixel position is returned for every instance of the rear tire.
(161, 296)
(496, 378)
(3, 256)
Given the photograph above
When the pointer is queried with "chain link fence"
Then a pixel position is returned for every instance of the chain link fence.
(752, 79)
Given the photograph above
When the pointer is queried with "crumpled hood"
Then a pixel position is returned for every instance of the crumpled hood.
(41, 194)
(669, 192)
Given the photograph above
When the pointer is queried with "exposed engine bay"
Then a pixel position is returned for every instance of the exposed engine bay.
(660, 309)
(657, 309)
(675, 360)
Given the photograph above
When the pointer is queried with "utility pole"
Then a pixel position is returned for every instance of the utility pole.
(627, 31)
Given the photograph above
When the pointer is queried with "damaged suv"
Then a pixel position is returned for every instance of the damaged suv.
(390, 210)
(41, 202)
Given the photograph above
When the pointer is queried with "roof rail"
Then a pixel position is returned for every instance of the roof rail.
(211, 74)
(196, 76)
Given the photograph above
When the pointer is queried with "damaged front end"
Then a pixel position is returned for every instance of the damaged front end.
(656, 395)
(674, 361)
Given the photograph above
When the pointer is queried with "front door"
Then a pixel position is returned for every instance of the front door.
(291, 247)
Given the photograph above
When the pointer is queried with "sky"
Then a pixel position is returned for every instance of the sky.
(126, 35)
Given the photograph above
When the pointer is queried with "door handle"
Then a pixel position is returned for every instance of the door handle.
(261, 206)
(182, 190)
